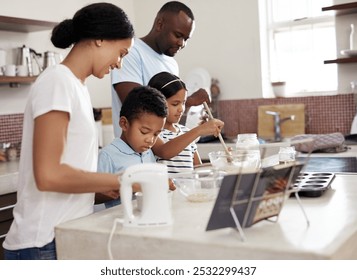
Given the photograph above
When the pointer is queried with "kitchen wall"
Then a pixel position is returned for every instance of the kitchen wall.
(323, 115)
(226, 42)
(12, 100)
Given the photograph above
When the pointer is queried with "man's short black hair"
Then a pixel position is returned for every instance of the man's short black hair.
(175, 7)
(144, 99)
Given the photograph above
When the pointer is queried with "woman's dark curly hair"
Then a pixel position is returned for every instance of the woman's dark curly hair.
(101, 21)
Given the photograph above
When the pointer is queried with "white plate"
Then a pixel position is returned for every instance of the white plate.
(349, 52)
(197, 78)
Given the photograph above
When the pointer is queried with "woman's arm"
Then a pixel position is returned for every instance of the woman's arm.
(175, 146)
(50, 136)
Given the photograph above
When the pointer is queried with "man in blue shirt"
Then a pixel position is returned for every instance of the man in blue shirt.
(154, 53)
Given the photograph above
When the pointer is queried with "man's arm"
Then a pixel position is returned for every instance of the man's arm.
(197, 98)
(124, 88)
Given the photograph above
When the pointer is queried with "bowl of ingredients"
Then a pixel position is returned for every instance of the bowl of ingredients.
(200, 185)
(236, 161)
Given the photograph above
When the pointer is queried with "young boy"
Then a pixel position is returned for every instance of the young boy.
(142, 118)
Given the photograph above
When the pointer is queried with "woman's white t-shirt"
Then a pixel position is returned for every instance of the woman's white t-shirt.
(37, 212)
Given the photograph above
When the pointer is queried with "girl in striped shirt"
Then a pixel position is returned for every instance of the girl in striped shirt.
(174, 89)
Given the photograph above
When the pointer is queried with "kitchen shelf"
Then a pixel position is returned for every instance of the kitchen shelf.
(342, 9)
(16, 80)
(24, 25)
(342, 60)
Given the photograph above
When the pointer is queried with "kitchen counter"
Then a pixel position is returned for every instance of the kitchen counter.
(205, 148)
(8, 176)
(332, 233)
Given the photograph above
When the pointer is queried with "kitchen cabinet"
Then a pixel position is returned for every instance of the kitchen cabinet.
(340, 10)
(8, 190)
(14, 24)
(7, 203)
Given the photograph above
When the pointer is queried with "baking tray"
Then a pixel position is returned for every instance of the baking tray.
(313, 184)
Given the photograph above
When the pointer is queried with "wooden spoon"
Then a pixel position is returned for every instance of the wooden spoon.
(228, 153)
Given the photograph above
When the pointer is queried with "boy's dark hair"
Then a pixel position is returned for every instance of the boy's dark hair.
(175, 7)
(143, 99)
(168, 84)
(99, 21)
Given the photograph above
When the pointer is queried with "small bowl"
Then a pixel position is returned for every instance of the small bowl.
(279, 89)
(199, 185)
(236, 162)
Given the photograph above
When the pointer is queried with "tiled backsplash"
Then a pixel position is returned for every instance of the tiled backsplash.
(324, 114)
(11, 129)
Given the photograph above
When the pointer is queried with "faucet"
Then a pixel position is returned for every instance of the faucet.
(277, 123)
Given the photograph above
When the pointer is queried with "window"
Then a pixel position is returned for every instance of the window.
(300, 38)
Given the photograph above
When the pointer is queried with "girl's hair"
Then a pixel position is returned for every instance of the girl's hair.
(101, 21)
(167, 83)
(143, 99)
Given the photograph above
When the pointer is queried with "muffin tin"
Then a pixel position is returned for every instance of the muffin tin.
(313, 184)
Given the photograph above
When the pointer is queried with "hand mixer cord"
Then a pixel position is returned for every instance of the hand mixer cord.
(109, 244)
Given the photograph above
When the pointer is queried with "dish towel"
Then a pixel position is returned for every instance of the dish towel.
(322, 143)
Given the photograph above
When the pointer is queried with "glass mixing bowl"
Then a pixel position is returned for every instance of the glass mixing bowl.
(236, 161)
(199, 185)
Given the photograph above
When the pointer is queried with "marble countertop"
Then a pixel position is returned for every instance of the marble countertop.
(8, 176)
(205, 148)
(332, 233)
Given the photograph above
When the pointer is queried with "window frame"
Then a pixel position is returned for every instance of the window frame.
(327, 19)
